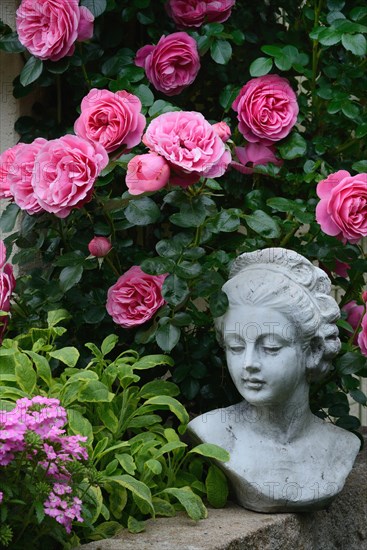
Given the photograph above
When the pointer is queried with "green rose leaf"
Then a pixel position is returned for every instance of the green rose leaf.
(355, 43)
(261, 66)
(142, 211)
(294, 147)
(157, 266)
(167, 336)
(218, 303)
(175, 290)
(263, 224)
(145, 95)
(70, 276)
(31, 71)
(221, 51)
(97, 7)
(10, 43)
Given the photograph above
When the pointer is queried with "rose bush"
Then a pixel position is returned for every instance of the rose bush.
(64, 173)
(148, 172)
(172, 65)
(267, 109)
(49, 28)
(111, 119)
(135, 297)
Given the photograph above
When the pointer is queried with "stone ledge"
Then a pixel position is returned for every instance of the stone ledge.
(342, 526)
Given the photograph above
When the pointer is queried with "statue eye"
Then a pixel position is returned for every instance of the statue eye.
(235, 349)
(272, 350)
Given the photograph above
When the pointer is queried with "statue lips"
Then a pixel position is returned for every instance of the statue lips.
(254, 383)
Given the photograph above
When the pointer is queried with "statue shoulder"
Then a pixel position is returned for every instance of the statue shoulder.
(211, 427)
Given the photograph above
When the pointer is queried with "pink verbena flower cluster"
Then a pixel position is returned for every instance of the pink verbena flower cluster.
(33, 439)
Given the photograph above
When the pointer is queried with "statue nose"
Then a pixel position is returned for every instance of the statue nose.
(251, 360)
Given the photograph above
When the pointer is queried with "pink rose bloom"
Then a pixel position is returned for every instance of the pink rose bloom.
(7, 285)
(194, 13)
(148, 172)
(362, 336)
(252, 155)
(111, 119)
(64, 173)
(223, 130)
(218, 11)
(7, 159)
(354, 314)
(135, 297)
(341, 269)
(172, 64)
(99, 246)
(20, 178)
(49, 28)
(267, 109)
(342, 210)
(189, 143)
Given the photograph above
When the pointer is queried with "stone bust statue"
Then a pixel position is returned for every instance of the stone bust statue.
(279, 333)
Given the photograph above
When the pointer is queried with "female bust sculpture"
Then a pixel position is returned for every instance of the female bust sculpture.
(279, 333)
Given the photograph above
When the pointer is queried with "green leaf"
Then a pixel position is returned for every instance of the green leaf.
(78, 424)
(228, 95)
(31, 71)
(295, 146)
(8, 218)
(97, 7)
(263, 224)
(193, 504)
(329, 36)
(175, 290)
(150, 361)
(157, 266)
(127, 462)
(159, 387)
(42, 367)
(360, 166)
(348, 422)
(350, 363)
(359, 396)
(70, 276)
(154, 466)
(95, 391)
(355, 43)
(40, 512)
(168, 248)
(25, 376)
(188, 270)
(221, 51)
(109, 343)
(144, 94)
(165, 401)
(56, 316)
(68, 355)
(210, 450)
(167, 336)
(218, 303)
(134, 486)
(10, 43)
(261, 66)
(108, 417)
(163, 507)
(142, 211)
(216, 487)
(134, 525)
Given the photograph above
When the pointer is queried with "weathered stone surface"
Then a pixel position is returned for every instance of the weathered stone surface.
(342, 526)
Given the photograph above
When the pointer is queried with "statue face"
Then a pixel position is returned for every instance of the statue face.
(264, 358)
